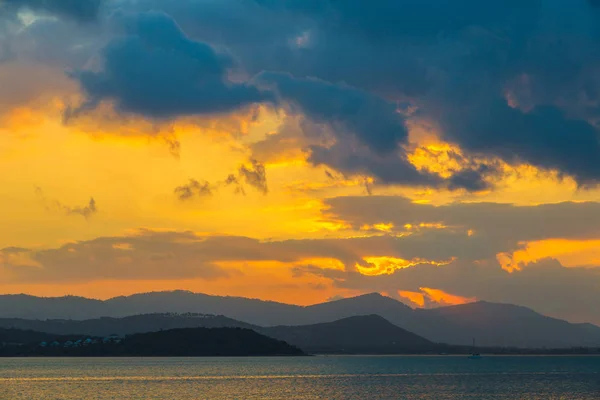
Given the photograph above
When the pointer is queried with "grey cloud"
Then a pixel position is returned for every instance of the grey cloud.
(87, 211)
(547, 286)
(162, 251)
(453, 59)
(371, 119)
(471, 233)
(180, 255)
(14, 250)
(544, 137)
(174, 146)
(155, 256)
(79, 10)
(291, 139)
(500, 223)
(34, 59)
(51, 42)
(193, 189)
(370, 133)
(389, 19)
(158, 72)
(233, 180)
(255, 176)
(351, 160)
(471, 179)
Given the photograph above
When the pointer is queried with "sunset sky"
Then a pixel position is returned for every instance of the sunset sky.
(436, 151)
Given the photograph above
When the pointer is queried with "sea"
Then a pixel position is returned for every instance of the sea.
(318, 377)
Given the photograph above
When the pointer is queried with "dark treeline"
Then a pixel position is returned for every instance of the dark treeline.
(20, 336)
(190, 342)
(369, 334)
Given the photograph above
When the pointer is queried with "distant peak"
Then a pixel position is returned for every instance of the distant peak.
(370, 317)
(373, 295)
(179, 291)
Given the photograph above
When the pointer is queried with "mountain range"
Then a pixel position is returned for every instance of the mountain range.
(492, 324)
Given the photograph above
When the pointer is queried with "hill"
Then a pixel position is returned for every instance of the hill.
(369, 334)
(19, 336)
(188, 342)
(366, 304)
(495, 324)
(106, 326)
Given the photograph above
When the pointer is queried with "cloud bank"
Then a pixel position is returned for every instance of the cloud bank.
(501, 83)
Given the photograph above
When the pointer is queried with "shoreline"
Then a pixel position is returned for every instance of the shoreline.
(316, 355)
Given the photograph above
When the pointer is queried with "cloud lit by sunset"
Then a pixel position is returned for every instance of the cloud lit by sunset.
(244, 151)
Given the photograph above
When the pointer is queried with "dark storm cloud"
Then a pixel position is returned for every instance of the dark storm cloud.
(399, 48)
(80, 10)
(457, 62)
(370, 133)
(371, 119)
(390, 19)
(454, 59)
(158, 72)
(351, 160)
(472, 179)
(544, 137)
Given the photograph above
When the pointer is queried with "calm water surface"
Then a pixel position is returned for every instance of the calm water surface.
(362, 378)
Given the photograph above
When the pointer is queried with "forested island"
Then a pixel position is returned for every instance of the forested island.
(189, 342)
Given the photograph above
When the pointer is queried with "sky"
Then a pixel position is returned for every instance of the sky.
(439, 152)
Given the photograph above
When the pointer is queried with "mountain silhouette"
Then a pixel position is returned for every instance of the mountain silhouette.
(496, 324)
(362, 334)
(490, 323)
(107, 326)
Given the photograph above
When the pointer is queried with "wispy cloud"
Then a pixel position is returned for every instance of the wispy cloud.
(86, 211)
(193, 189)
(254, 174)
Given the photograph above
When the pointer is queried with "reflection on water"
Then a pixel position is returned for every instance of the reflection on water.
(302, 378)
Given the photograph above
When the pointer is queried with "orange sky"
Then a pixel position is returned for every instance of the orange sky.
(100, 200)
(132, 180)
